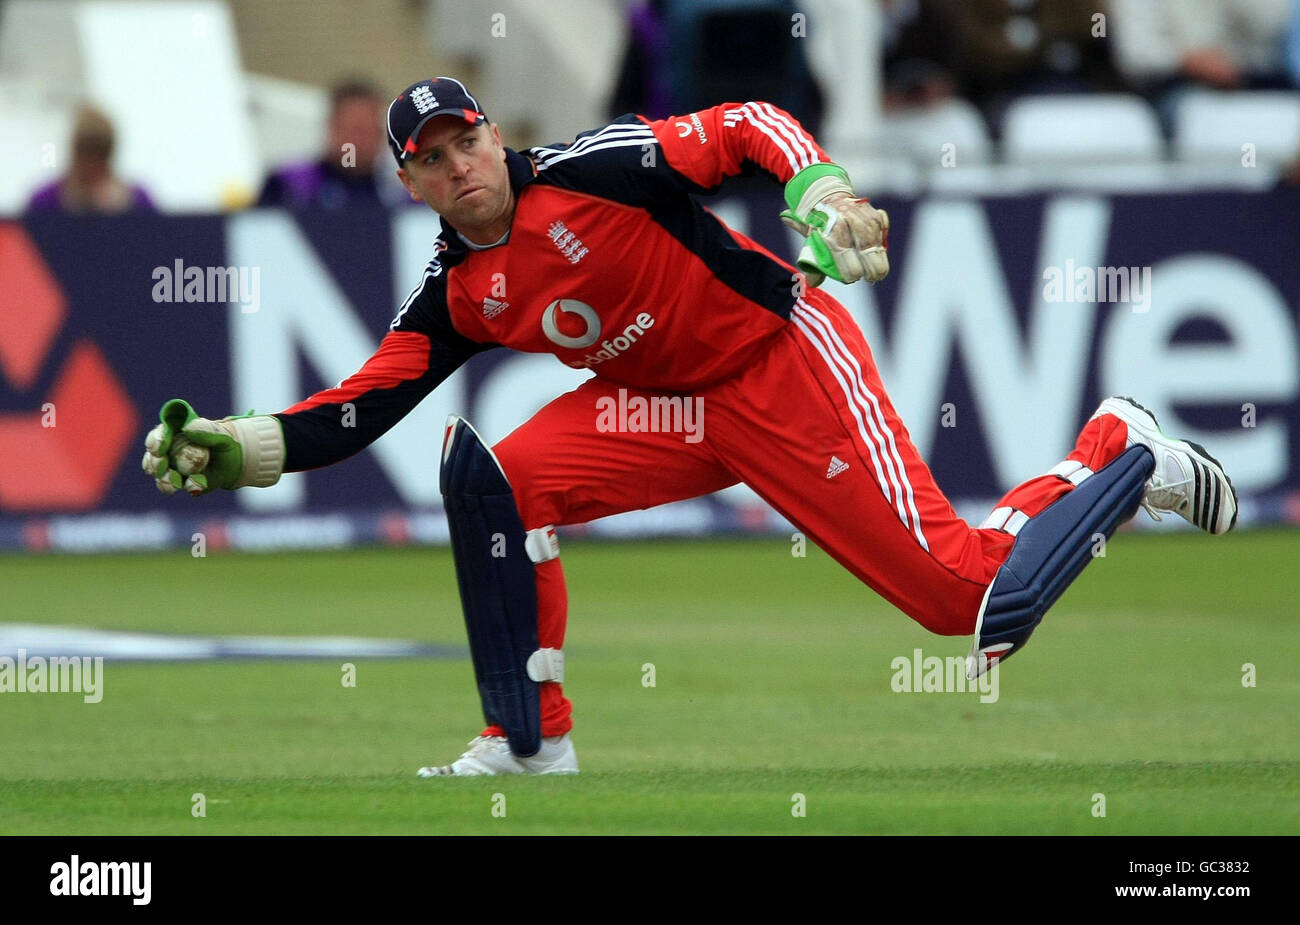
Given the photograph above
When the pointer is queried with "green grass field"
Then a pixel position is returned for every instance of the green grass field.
(772, 679)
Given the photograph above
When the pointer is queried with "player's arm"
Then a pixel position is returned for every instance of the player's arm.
(339, 422)
(846, 237)
(199, 455)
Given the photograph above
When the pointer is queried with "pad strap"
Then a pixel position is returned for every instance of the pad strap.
(546, 665)
(541, 544)
(1006, 519)
(1073, 472)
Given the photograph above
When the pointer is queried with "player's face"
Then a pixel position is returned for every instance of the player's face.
(357, 121)
(459, 170)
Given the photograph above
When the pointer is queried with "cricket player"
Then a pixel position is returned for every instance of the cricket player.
(596, 252)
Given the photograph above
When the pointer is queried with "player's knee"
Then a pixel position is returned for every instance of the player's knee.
(534, 509)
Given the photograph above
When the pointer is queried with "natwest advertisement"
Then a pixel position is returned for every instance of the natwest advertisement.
(1002, 324)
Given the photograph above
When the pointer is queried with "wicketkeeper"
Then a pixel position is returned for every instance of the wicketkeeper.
(596, 252)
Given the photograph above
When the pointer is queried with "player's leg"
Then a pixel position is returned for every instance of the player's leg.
(843, 469)
(810, 428)
(563, 467)
(496, 560)
(1120, 460)
(1188, 481)
(567, 471)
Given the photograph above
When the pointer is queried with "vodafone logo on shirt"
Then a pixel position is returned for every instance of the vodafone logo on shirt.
(571, 324)
(575, 325)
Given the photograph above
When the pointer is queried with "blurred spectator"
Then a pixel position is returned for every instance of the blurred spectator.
(1290, 178)
(920, 51)
(1165, 47)
(643, 85)
(89, 184)
(346, 173)
(683, 55)
(1009, 48)
(1293, 48)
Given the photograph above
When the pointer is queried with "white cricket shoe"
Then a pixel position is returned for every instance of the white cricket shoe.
(489, 755)
(1187, 480)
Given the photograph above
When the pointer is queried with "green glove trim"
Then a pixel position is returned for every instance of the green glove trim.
(816, 259)
(174, 415)
(815, 219)
(800, 182)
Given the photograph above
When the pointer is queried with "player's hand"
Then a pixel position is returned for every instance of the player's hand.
(199, 455)
(847, 239)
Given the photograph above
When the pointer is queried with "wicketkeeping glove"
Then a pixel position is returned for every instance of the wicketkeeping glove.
(198, 455)
(846, 239)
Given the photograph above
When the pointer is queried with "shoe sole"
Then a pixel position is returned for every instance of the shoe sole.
(424, 776)
(567, 764)
(993, 654)
(1209, 470)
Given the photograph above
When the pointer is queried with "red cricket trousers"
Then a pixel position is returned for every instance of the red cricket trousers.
(810, 429)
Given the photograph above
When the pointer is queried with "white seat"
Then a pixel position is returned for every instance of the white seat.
(1214, 126)
(1089, 128)
(35, 134)
(289, 119)
(921, 133)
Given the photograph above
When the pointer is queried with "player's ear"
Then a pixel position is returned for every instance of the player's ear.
(496, 139)
(410, 186)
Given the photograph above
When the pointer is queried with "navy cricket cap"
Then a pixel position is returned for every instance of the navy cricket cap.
(422, 101)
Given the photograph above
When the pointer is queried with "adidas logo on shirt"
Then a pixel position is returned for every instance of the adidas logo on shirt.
(836, 467)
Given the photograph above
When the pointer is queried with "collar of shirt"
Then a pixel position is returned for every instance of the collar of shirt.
(483, 247)
(522, 171)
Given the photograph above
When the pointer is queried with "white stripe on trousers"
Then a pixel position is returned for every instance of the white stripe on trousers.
(840, 369)
(879, 416)
(857, 414)
(819, 330)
